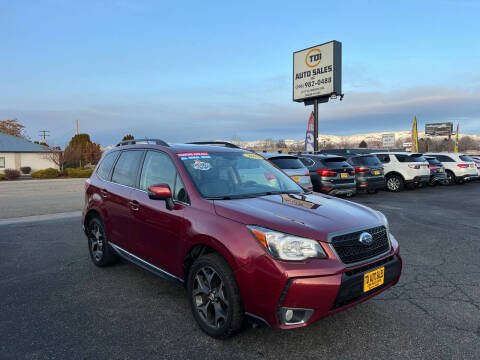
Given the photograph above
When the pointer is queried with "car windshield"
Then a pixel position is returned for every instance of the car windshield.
(287, 162)
(233, 175)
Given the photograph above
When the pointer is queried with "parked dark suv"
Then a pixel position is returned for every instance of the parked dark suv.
(245, 240)
(368, 173)
(331, 174)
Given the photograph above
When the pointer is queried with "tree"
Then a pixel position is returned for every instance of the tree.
(281, 144)
(92, 154)
(128, 137)
(12, 127)
(56, 156)
(363, 145)
(74, 152)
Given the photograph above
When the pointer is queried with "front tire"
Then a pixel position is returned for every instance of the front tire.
(100, 251)
(214, 296)
(395, 183)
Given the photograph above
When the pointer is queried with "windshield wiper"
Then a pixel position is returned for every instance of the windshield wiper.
(219, 198)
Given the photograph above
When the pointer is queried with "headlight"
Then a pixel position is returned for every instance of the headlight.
(383, 219)
(287, 247)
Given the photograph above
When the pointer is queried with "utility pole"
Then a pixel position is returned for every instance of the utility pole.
(76, 127)
(44, 134)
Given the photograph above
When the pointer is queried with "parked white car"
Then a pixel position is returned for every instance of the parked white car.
(404, 169)
(476, 159)
(459, 167)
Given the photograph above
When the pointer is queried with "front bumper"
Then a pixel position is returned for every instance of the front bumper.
(326, 286)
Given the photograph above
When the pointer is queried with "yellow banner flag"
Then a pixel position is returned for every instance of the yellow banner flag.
(414, 135)
(455, 149)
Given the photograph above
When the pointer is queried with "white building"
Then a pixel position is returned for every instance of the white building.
(16, 152)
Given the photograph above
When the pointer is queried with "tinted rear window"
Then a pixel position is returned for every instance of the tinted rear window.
(335, 162)
(287, 163)
(307, 162)
(106, 165)
(126, 169)
(434, 162)
(410, 158)
(465, 158)
(367, 160)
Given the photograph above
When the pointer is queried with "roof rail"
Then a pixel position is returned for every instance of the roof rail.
(135, 141)
(224, 143)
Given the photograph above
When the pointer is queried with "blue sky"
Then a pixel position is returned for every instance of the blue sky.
(202, 70)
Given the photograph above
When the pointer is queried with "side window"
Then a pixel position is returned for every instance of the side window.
(2, 162)
(126, 169)
(106, 165)
(384, 158)
(158, 168)
(445, 158)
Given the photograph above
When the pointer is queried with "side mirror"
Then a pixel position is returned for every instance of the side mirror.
(161, 192)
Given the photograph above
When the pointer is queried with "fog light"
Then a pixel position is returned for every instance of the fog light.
(292, 316)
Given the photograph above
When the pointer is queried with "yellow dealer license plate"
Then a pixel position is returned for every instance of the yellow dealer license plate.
(440, 170)
(296, 178)
(376, 172)
(373, 279)
(343, 175)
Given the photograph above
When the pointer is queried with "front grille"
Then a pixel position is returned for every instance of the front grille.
(350, 250)
(351, 288)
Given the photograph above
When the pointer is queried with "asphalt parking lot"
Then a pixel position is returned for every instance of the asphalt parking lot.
(57, 304)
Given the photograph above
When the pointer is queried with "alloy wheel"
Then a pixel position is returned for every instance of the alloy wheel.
(393, 184)
(209, 297)
(96, 241)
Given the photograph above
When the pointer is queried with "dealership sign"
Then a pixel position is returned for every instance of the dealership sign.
(439, 129)
(317, 71)
(388, 140)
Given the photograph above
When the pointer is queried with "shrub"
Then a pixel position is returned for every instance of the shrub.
(11, 174)
(49, 173)
(78, 172)
(26, 169)
(2, 176)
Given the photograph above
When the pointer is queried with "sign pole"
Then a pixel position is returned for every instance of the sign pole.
(315, 125)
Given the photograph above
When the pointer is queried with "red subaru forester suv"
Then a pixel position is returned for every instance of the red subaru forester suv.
(245, 240)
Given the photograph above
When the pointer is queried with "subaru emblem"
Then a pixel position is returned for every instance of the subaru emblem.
(366, 239)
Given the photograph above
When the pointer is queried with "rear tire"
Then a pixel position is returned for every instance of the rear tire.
(395, 183)
(450, 178)
(214, 296)
(100, 251)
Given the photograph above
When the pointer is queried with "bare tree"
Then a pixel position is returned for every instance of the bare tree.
(55, 155)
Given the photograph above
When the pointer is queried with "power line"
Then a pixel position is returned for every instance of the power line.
(44, 134)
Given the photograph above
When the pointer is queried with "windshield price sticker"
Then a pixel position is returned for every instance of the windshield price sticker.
(194, 156)
(201, 165)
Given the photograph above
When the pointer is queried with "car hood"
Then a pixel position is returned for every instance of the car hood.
(310, 216)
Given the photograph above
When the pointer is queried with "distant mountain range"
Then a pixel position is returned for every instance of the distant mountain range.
(372, 139)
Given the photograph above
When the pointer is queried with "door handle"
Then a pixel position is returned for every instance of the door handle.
(134, 205)
(104, 193)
